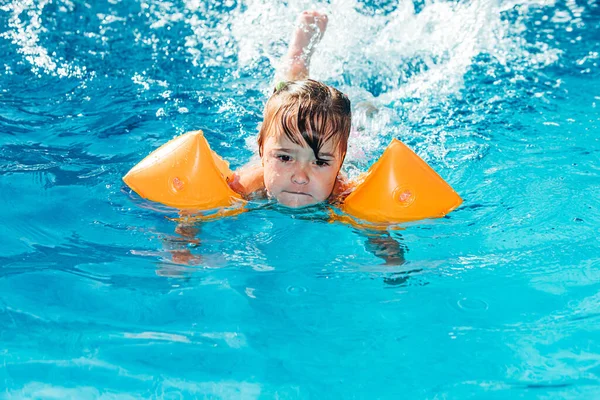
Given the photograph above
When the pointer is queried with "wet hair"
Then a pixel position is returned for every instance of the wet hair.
(309, 113)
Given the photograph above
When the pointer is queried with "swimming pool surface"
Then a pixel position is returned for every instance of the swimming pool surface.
(100, 297)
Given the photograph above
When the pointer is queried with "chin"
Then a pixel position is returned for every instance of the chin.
(295, 204)
(294, 200)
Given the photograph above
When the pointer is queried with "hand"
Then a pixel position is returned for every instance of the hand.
(247, 180)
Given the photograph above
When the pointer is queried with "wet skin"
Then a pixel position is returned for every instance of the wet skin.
(294, 176)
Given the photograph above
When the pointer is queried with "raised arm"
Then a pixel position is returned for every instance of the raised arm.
(310, 28)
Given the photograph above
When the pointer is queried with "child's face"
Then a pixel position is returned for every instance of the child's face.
(293, 176)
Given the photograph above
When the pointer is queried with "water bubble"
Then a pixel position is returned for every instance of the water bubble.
(472, 304)
(296, 290)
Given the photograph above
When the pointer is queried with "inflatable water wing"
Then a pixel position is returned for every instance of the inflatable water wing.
(400, 187)
(184, 173)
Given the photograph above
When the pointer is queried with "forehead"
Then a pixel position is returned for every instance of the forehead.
(282, 141)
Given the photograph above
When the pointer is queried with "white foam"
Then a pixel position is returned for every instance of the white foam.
(420, 59)
(417, 59)
(26, 23)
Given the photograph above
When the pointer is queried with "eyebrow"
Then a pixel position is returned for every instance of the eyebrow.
(329, 155)
(321, 155)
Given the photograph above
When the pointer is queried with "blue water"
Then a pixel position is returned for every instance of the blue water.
(100, 297)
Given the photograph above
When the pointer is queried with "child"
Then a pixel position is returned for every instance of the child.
(304, 135)
(302, 144)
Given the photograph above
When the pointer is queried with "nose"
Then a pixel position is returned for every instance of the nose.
(300, 177)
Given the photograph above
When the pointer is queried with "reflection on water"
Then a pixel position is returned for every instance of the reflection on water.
(185, 249)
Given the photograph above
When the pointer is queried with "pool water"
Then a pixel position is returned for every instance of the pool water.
(101, 296)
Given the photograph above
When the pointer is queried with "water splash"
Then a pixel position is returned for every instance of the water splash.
(26, 23)
(407, 67)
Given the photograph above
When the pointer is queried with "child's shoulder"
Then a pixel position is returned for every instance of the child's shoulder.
(342, 188)
(248, 180)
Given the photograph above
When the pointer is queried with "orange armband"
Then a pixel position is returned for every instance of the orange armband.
(184, 173)
(400, 187)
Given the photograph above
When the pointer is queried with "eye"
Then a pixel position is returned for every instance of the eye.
(322, 163)
(283, 158)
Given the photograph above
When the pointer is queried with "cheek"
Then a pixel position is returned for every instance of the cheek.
(273, 174)
(329, 174)
(326, 181)
(271, 168)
